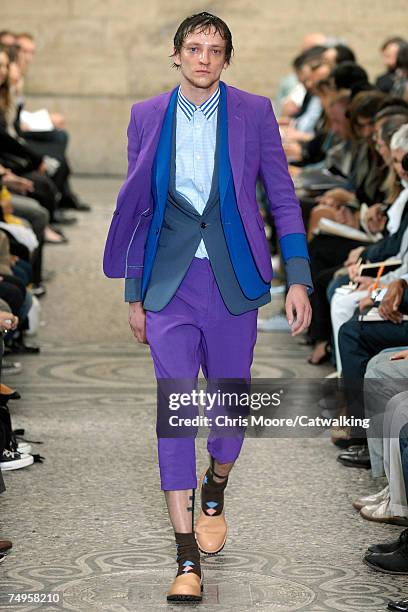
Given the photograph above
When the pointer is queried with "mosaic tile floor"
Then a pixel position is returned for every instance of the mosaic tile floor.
(89, 524)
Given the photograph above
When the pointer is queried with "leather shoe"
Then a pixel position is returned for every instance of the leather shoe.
(356, 458)
(389, 547)
(381, 513)
(63, 219)
(391, 563)
(369, 500)
(5, 545)
(400, 606)
(210, 531)
(186, 587)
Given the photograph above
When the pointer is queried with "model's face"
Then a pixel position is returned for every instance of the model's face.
(397, 156)
(202, 59)
(4, 67)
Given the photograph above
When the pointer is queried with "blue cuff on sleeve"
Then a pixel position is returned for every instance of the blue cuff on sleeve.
(298, 273)
(133, 289)
(294, 245)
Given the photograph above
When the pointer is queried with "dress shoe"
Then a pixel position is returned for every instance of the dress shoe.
(5, 545)
(61, 218)
(187, 585)
(381, 513)
(391, 563)
(72, 202)
(369, 500)
(38, 290)
(7, 393)
(211, 527)
(400, 606)
(348, 443)
(389, 547)
(356, 458)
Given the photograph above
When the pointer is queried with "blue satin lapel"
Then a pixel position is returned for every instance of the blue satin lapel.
(161, 168)
(224, 168)
(236, 138)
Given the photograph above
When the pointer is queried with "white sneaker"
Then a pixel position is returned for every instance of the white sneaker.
(13, 460)
(369, 500)
(24, 448)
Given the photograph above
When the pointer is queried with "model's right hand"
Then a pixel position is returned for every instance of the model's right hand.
(137, 321)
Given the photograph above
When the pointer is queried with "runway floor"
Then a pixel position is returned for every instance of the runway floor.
(89, 525)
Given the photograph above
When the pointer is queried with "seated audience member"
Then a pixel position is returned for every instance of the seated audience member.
(22, 160)
(50, 144)
(359, 343)
(392, 557)
(400, 86)
(291, 92)
(7, 38)
(339, 53)
(343, 306)
(367, 174)
(349, 75)
(311, 67)
(389, 50)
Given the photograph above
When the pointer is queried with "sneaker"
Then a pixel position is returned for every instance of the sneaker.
(24, 448)
(9, 368)
(13, 460)
(370, 500)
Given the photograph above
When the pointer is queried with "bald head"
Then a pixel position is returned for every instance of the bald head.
(314, 39)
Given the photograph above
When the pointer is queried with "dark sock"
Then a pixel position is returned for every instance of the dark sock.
(212, 494)
(188, 555)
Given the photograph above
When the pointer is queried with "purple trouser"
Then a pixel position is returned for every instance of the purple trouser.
(196, 329)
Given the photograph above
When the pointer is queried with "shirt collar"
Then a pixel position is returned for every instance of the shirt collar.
(208, 107)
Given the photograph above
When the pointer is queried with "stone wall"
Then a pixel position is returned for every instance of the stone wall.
(96, 57)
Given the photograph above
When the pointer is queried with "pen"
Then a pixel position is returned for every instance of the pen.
(379, 273)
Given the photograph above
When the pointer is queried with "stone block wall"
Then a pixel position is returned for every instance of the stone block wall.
(96, 57)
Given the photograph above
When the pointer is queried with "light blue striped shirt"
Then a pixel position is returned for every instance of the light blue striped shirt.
(196, 137)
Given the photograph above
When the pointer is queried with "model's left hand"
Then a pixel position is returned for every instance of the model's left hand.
(298, 309)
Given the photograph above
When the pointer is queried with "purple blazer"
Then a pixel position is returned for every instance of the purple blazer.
(255, 149)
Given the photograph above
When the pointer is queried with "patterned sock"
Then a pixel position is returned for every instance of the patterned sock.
(188, 555)
(212, 494)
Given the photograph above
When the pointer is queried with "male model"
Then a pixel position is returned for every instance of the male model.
(188, 238)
